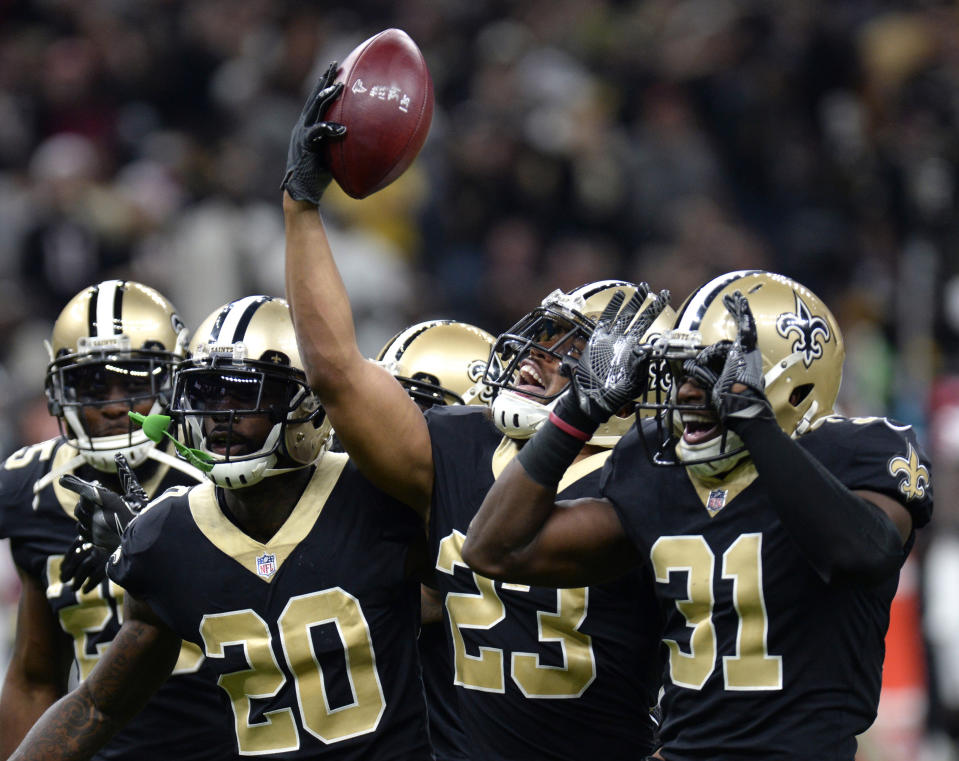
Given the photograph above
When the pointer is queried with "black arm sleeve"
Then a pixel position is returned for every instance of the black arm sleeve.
(845, 538)
(548, 454)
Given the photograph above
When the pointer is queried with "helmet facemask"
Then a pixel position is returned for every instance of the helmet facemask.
(135, 381)
(251, 420)
(709, 459)
(556, 331)
(522, 398)
(544, 330)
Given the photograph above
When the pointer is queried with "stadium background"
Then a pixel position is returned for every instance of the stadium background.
(659, 140)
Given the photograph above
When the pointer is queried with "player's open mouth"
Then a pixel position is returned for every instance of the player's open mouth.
(530, 381)
(699, 428)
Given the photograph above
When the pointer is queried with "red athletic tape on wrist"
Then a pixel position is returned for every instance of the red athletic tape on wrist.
(567, 428)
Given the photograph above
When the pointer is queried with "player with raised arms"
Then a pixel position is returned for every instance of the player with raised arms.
(540, 672)
(775, 528)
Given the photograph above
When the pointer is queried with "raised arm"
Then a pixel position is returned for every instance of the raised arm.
(378, 424)
(137, 662)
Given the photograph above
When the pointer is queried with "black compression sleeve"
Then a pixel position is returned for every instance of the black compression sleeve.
(845, 538)
(548, 454)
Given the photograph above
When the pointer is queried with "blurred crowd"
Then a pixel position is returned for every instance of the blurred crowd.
(658, 140)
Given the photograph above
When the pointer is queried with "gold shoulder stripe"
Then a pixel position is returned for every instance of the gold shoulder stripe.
(583, 468)
(68, 499)
(504, 454)
(231, 541)
(508, 449)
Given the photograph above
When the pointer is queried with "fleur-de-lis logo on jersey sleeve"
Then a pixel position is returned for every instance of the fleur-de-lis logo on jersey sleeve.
(915, 475)
(812, 331)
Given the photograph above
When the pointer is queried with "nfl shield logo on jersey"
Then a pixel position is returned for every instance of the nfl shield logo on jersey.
(716, 500)
(266, 565)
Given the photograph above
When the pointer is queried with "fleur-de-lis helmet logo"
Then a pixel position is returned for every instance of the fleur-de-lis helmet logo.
(811, 331)
(475, 372)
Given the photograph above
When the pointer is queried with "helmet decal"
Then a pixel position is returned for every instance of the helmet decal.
(476, 370)
(105, 313)
(810, 330)
(234, 319)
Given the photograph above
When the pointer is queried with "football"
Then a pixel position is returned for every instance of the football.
(387, 107)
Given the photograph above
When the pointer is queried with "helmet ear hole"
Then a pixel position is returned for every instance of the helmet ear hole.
(800, 393)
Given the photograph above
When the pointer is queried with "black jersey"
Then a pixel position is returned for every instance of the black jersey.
(765, 659)
(540, 673)
(183, 720)
(312, 635)
(446, 729)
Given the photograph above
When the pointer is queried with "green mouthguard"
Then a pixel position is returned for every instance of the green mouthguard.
(155, 428)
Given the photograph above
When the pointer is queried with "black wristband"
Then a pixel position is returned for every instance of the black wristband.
(548, 454)
(568, 416)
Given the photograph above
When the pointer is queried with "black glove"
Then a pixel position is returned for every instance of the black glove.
(307, 176)
(102, 514)
(84, 564)
(738, 393)
(613, 369)
(706, 367)
(611, 372)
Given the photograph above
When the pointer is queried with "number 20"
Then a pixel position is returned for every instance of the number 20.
(264, 679)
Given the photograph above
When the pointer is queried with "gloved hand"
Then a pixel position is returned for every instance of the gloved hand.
(307, 176)
(613, 369)
(84, 564)
(739, 392)
(707, 365)
(102, 514)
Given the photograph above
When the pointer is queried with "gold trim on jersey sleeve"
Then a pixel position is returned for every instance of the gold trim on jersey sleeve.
(230, 540)
(504, 454)
(68, 499)
(508, 449)
(582, 469)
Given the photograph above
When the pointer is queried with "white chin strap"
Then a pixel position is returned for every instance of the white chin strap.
(239, 474)
(99, 451)
(711, 449)
(517, 416)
